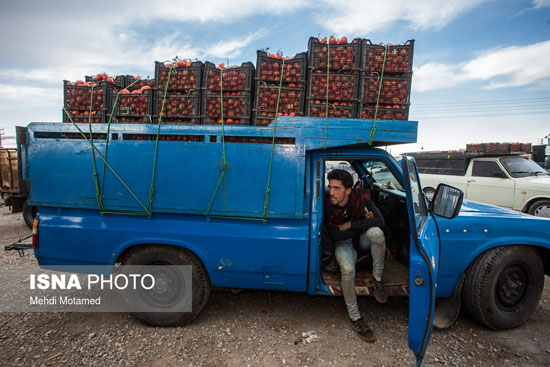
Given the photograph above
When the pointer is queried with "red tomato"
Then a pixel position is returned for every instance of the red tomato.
(292, 114)
(125, 91)
(324, 41)
(104, 76)
(332, 40)
(98, 77)
(79, 82)
(343, 40)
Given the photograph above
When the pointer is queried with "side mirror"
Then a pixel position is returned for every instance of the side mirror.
(447, 201)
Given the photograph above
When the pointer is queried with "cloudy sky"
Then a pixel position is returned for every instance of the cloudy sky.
(481, 67)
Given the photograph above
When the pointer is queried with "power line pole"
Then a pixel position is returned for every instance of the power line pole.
(1, 133)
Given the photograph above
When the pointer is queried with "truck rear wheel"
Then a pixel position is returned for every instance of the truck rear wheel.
(503, 286)
(171, 255)
(540, 208)
(29, 213)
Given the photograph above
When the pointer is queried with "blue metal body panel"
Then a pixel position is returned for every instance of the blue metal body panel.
(187, 173)
(478, 228)
(236, 253)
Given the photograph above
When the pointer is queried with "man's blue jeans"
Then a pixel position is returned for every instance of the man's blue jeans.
(346, 256)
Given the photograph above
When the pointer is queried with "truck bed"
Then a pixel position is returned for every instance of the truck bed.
(58, 164)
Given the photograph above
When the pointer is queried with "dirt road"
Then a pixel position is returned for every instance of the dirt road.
(256, 328)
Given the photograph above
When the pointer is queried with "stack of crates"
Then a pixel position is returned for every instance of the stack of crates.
(182, 102)
(86, 102)
(339, 96)
(235, 92)
(386, 82)
(134, 104)
(292, 86)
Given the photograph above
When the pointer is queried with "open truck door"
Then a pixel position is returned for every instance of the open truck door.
(424, 262)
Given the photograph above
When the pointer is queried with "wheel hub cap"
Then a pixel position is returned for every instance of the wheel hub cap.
(512, 286)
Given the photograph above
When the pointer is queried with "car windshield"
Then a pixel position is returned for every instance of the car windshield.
(522, 167)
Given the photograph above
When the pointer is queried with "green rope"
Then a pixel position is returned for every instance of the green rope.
(326, 101)
(268, 189)
(224, 166)
(108, 165)
(371, 138)
(241, 218)
(152, 187)
(96, 183)
(108, 135)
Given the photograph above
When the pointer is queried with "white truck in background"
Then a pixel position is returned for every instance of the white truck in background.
(505, 179)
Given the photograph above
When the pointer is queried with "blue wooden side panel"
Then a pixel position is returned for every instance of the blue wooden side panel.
(60, 170)
(236, 253)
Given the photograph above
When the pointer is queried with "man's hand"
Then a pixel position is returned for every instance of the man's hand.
(345, 226)
(369, 214)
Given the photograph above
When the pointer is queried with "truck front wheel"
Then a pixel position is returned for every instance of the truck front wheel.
(540, 208)
(172, 255)
(503, 286)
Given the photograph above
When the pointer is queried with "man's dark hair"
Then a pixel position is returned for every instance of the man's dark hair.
(341, 175)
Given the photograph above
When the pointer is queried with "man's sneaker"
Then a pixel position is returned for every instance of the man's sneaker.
(363, 330)
(380, 291)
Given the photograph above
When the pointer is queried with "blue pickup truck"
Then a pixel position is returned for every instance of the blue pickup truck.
(244, 206)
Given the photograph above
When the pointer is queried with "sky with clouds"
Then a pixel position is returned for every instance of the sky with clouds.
(481, 67)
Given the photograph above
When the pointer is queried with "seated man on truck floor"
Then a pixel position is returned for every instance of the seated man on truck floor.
(353, 219)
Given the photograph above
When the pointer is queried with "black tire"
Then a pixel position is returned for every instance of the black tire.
(172, 255)
(540, 208)
(503, 286)
(29, 213)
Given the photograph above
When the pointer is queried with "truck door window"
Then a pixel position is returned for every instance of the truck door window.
(418, 199)
(487, 169)
(382, 175)
(330, 165)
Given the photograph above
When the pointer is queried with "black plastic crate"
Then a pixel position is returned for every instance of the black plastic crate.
(342, 87)
(77, 97)
(395, 90)
(292, 100)
(183, 78)
(236, 108)
(81, 117)
(315, 108)
(118, 82)
(343, 58)
(179, 108)
(129, 79)
(138, 104)
(268, 69)
(399, 58)
(386, 112)
(235, 79)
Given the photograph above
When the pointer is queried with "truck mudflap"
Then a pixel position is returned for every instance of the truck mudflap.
(20, 245)
(447, 309)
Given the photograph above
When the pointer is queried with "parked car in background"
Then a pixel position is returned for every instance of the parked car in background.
(508, 180)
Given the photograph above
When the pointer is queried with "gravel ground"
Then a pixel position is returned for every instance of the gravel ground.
(254, 328)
